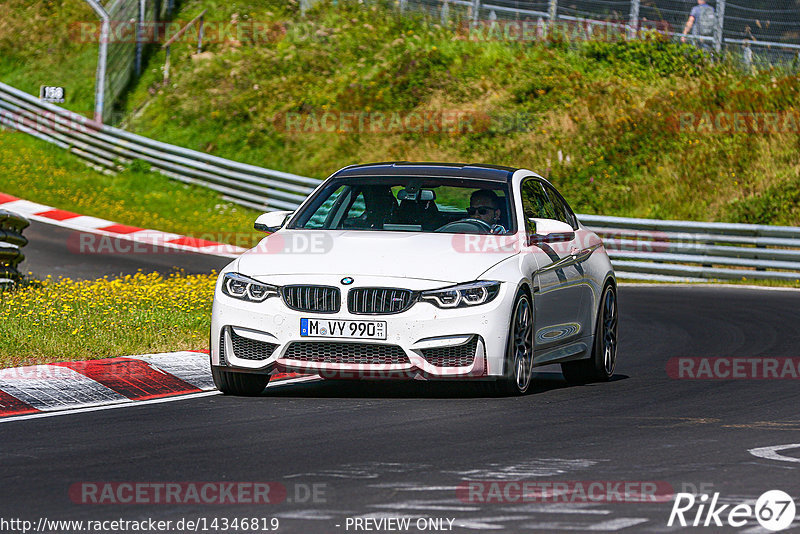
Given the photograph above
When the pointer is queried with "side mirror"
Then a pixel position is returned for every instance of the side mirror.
(550, 231)
(272, 221)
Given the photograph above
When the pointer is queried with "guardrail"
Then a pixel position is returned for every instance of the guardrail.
(639, 248)
(108, 149)
(11, 243)
(651, 249)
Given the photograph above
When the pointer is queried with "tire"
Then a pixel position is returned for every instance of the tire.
(600, 366)
(245, 384)
(518, 372)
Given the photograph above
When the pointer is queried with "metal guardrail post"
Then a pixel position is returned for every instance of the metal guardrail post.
(199, 20)
(633, 19)
(102, 55)
(476, 7)
(140, 36)
(166, 64)
(200, 32)
(720, 25)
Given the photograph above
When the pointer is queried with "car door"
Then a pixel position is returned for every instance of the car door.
(556, 281)
(581, 249)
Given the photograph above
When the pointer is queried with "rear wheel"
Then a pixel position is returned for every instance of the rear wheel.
(600, 367)
(519, 352)
(246, 384)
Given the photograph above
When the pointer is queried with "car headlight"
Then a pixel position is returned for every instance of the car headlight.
(462, 295)
(244, 288)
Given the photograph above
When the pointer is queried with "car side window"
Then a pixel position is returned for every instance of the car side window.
(535, 203)
(357, 207)
(321, 218)
(563, 212)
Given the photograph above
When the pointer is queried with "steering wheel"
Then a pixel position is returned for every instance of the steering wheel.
(466, 226)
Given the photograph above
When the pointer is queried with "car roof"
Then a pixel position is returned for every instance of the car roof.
(478, 171)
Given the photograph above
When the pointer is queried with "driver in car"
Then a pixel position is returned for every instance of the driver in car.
(484, 205)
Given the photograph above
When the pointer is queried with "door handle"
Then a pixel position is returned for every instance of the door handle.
(582, 255)
(575, 256)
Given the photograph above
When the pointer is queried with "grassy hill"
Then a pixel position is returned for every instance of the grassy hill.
(37, 171)
(39, 46)
(616, 125)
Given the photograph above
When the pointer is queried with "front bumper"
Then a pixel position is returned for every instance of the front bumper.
(423, 342)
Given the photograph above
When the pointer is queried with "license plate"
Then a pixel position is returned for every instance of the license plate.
(343, 329)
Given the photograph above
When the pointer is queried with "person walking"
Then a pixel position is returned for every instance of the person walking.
(702, 22)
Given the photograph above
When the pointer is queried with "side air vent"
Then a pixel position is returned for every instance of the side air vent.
(454, 356)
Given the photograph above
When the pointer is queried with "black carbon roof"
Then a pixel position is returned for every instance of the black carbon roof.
(409, 168)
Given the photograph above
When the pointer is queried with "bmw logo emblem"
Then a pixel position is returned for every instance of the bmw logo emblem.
(346, 281)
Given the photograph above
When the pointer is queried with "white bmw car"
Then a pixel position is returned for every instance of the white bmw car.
(419, 271)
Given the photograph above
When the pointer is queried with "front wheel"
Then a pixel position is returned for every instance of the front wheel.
(246, 384)
(600, 367)
(519, 352)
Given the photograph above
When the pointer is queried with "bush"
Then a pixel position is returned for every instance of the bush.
(652, 56)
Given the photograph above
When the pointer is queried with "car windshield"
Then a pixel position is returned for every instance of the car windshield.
(410, 204)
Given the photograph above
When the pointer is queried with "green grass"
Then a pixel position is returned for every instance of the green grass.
(53, 321)
(40, 45)
(40, 172)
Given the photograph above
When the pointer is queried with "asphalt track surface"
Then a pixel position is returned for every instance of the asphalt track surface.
(52, 250)
(401, 449)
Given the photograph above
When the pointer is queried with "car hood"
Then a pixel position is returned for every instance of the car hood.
(443, 257)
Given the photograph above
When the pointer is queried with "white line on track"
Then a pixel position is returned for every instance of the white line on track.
(612, 525)
(771, 453)
(422, 505)
(141, 403)
(411, 486)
